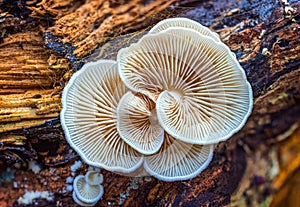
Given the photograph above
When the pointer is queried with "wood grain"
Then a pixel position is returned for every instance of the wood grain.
(43, 42)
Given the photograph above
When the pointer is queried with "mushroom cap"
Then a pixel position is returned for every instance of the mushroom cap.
(184, 23)
(137, 123)
(93, 178)
(177, 160)
(93, 168)
(201, 92)
(85, 192)
(89, 117)
(140, 172)
(79, 202)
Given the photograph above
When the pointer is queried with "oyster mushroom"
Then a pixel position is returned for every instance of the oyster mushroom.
(177, 160)
(93, 177)
(174, 159)
(184, 23)
(79, 202)
(85, 193)
(89, 117)
(138, 125)
(201, 92)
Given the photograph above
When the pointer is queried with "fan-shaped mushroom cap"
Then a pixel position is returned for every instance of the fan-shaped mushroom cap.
(93, 178)
(137, 123)
(81, 203)
(177, 160)
(185, 23)
(89, 117)
(201, 92)
(85, 192)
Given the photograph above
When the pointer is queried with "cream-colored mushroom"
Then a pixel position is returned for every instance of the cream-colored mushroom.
(137, 123)
(93, 177)
(201, 92)
(87, 193)
(89, 117)
(184, 23)
(79, 202)
(177, 160)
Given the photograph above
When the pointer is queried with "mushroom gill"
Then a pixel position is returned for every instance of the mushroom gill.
(161, 106)
(89, 117)
(177, 160)
(166, 158)
(85, 193)
(201, 92)
(137, 123)
(184, 23)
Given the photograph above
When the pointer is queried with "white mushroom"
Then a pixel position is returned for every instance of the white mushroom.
(93, 178)
(79, 202)
(177, 160)
(87, 193)
(184, 23)
(93, 168)
(89, 117)
(201, 92)
(137, 123)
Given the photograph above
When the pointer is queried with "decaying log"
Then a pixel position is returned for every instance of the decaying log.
(94, 23)
(30, 78)
(43, 42)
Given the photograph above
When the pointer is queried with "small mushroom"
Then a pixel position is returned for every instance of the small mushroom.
(137, 123)
(93, 168)
(87, 193)
(201, 92)
(184, 23)
(174, 160)
(79, 202)
(93, 178)
(89, 117)
(177, 160)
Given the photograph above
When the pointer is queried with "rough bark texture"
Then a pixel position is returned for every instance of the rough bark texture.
(43, 42)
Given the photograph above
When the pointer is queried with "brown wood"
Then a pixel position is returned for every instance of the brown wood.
(43, 42)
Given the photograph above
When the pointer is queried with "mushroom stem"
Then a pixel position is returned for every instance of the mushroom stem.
(153, 117)
(177, 95)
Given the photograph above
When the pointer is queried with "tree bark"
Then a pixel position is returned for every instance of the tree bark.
(43, 42)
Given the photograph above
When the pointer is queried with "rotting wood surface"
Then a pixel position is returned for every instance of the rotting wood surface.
(42, 42)
(30, 75)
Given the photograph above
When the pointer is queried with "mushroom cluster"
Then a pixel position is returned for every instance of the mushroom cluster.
(162, 105)
(87, 188)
